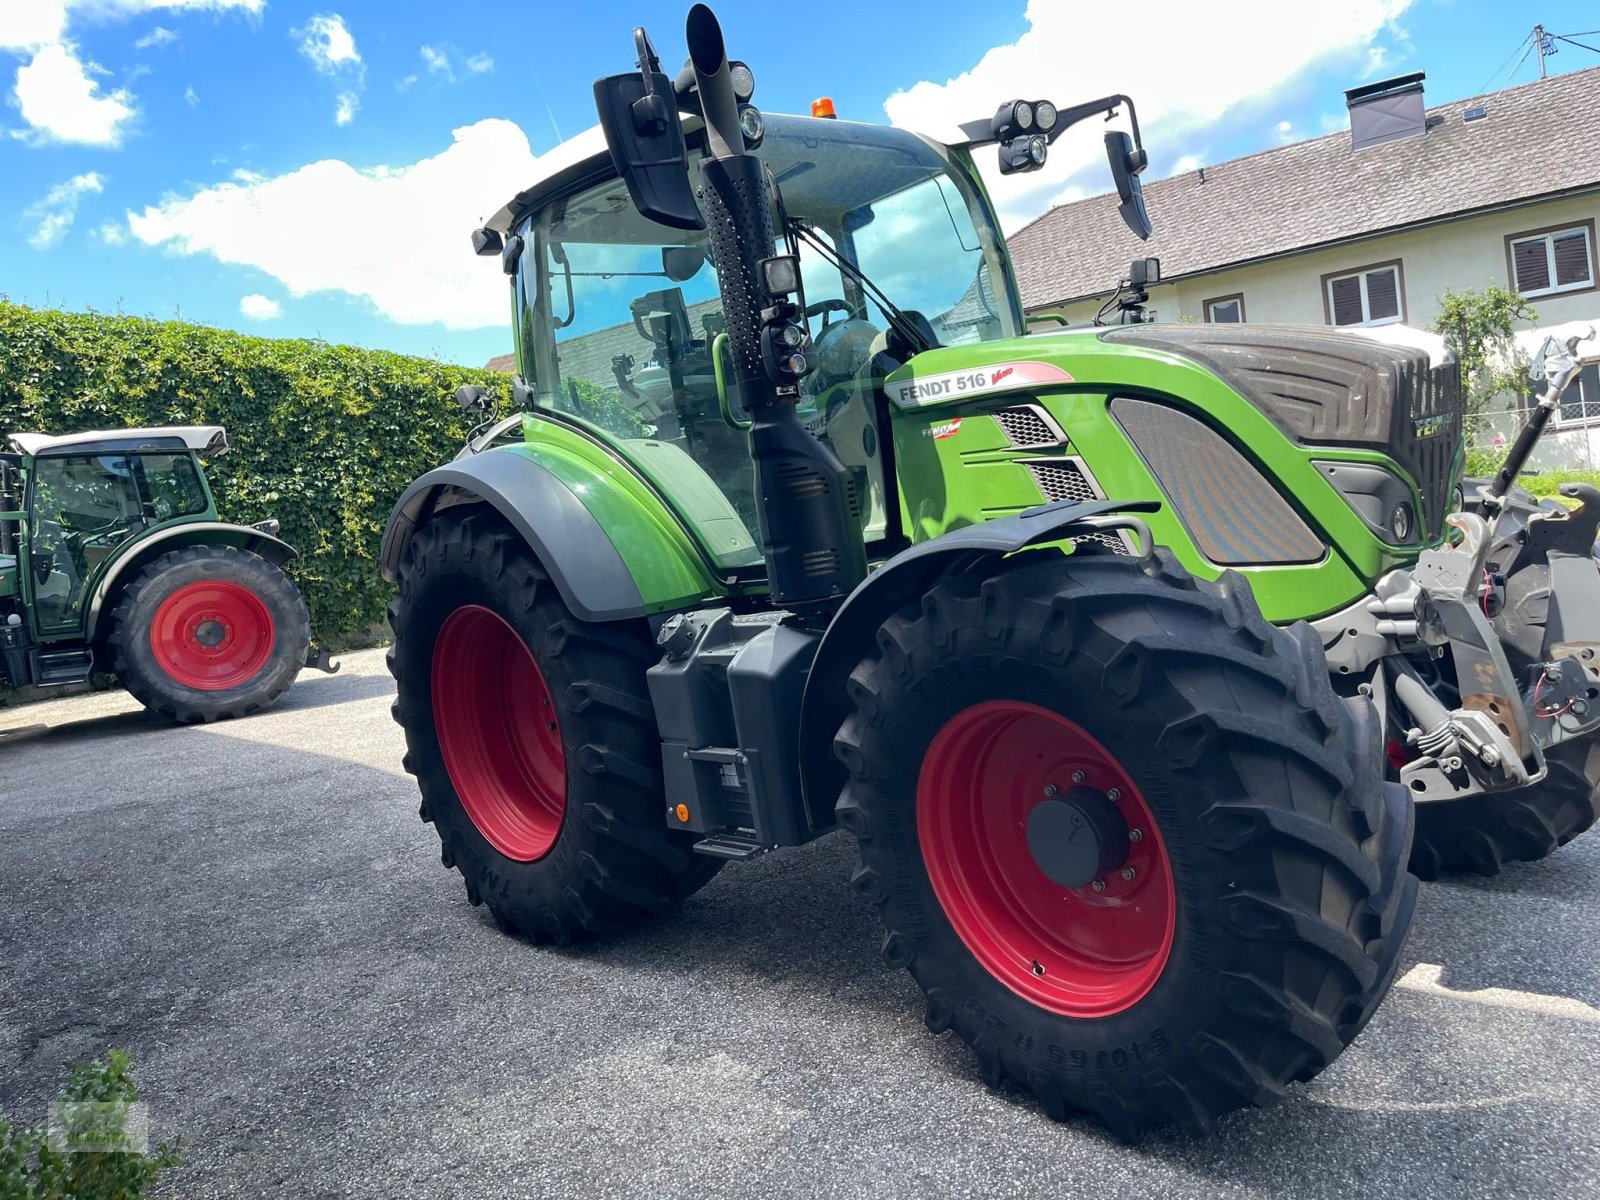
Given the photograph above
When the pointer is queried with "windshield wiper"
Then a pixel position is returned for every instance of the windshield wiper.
(903, 324)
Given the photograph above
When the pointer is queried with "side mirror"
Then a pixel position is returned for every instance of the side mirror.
(638, 113)
(1126, 165)
(486, 242)
(682, 263)
(472, 398)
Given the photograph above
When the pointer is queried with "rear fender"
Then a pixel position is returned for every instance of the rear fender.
(576, 536)
(195, 533)
(851, 634)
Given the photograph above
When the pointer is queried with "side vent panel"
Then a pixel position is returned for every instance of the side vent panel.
(1235, 515)
(1029, 427)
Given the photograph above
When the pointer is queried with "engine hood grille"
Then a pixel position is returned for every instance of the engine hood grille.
(1324, 388)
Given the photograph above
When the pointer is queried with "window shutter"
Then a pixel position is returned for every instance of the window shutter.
(1532, 266)
(1572, 257)
(1383, 294)
(1225, 312)
(1345, 298)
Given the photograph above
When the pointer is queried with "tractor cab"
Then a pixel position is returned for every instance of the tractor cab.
(622, 328)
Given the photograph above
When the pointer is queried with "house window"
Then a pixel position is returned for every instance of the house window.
(1226, 310)
(1372, 295)
(1546, 262)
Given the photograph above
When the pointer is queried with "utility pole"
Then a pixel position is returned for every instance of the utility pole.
(1538, 42)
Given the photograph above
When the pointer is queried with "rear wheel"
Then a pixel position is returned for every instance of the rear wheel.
(1147, 867)
(208, 632)
(532, 738)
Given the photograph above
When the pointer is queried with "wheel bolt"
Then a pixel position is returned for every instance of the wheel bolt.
(1078, 777)
(1113, 795)
(1136, 835)
(1049, 790)
(1099, 885)
(1127, 872)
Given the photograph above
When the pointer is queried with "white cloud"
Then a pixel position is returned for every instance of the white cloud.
(54, 90)
(1189, 162)
(438, 62)
(191, 97)
(112, 234)
(55, 211)
(260, 308)
(298, 227)
(158, 37)
(331, 47)
(327, 42)
(1179, 88)
(401, 85)
(58, 99)
(29, 24)
(480, 64)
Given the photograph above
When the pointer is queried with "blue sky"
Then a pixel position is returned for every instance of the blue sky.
(313, 169)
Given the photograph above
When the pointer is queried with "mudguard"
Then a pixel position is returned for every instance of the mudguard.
(579, 553)
(196, 533)
(849, 637)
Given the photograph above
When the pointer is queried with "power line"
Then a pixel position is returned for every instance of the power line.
(1495, 74)
(1580, 45)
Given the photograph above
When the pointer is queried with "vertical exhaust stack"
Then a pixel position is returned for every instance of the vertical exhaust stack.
(810, 531)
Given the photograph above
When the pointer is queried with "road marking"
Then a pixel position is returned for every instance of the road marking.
(1425, 978)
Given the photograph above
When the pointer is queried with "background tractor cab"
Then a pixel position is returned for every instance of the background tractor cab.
(113, 558)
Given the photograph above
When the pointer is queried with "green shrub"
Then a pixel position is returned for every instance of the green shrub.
(324, 437)
(33, 1165)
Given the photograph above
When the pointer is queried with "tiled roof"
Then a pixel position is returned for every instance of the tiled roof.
(1537, 140)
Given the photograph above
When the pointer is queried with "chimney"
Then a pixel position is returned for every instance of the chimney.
(1386, 111)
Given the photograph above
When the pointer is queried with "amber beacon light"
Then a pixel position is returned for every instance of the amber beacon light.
(824, 108)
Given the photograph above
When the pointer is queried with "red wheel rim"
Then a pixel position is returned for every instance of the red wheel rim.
(1074, 951)
(212, 635)
(498, 733)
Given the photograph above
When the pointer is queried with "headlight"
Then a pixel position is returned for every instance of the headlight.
(1037, 149)
(1024, 115)
(1045, 113)
(1401, 523)
(743, 80)
(752, 126)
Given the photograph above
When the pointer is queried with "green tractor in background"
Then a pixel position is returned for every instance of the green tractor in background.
(112, 558)
(1095, 640)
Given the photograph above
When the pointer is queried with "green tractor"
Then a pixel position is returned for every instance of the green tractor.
(112, 558)
(1094, 640)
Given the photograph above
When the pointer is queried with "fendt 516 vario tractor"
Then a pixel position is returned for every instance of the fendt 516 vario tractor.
(113, 559)
(1094, 640)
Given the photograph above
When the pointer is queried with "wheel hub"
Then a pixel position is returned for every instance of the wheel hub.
(210, 632)
(1077, 838)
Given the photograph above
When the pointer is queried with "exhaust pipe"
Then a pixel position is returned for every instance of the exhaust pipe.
(810, 537)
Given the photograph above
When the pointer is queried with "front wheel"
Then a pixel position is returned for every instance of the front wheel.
(208, 632)
(1142, 859)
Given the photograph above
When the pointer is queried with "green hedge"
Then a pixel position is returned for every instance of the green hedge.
(1482, 464)
(324, 437)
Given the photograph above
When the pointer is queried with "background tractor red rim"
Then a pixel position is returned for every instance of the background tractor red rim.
(1078, 952)
(212, 635)
(498, 733)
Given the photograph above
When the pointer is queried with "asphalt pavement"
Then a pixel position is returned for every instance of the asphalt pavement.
(255, 913)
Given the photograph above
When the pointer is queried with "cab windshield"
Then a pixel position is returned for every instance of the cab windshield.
(620, 316)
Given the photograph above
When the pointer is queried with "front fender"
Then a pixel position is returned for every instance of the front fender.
(195, 533)
(850, 636)
(574, 530)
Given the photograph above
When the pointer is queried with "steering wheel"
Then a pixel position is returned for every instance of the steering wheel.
(822, 308)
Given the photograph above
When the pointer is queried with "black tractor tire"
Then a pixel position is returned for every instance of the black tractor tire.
(163, 623)
(603, 856)
(1288, 891)
(1481, 834)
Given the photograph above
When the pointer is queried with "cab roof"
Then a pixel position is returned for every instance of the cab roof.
(210, 440)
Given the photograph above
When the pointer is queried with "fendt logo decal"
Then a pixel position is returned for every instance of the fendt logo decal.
(935, 389)
(943, 430)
